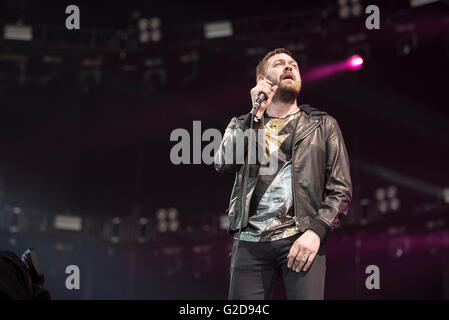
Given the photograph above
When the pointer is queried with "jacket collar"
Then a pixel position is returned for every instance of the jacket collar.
(309, 110)
(309, 121)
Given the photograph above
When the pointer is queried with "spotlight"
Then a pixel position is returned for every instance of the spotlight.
(406, 45)
(392, 191)
(223, 222)
(358, 45)
(143, 24)
(383, 206)
(348, 9)
(172, 213)
(162, 226)
(115, 234)
(364, 212)
(406, 49)
(156, 35)
(143, 230)
(218, 29)
(355, 62)
(173, 219)
(357, 10)
(167, 220)
(18, 32)
(144, 36)
(149, 30)
(446, 195)
(380, 194)
(173, 225)
(155, 23)
(14, 226)
(161, 214)
(344, 12)
(395, 204)
(68, 222)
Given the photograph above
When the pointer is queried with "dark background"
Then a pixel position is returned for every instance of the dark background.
(89, 135)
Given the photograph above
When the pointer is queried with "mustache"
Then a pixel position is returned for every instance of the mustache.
(288, 75)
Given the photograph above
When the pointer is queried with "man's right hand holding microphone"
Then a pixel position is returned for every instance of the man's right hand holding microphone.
(265, 86)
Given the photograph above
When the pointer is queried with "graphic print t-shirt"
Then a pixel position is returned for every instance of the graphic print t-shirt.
(271, 215)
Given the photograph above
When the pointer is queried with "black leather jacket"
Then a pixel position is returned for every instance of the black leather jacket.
(321, 178)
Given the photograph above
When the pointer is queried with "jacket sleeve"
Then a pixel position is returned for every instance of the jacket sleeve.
(338, 193)
(226, 158)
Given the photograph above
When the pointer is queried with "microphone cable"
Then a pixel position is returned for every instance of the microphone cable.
(244, 189)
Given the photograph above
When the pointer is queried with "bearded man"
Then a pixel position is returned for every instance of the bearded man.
(287, 214)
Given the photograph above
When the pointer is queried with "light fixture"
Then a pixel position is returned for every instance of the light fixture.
(219, 29)
(68, 222)
(18, 32)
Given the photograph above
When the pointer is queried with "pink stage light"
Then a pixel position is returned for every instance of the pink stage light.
(355, 62)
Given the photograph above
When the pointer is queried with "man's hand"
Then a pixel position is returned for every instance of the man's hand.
(265, 86)
(303, 251)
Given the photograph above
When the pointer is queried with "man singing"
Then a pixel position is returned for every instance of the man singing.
(288, 213)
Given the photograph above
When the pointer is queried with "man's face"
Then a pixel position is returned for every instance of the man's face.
(283, 70)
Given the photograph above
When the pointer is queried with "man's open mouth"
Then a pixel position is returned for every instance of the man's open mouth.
(288, 76)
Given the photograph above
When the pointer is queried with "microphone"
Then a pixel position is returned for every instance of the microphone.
(260, 98)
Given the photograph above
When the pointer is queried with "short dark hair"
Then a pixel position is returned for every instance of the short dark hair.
(260, 70)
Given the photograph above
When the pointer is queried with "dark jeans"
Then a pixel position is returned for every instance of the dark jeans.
(259, 264)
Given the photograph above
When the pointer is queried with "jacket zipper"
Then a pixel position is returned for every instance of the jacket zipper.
(293, 167)
(307, 133)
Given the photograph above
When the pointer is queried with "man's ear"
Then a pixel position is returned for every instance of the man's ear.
(259, 77)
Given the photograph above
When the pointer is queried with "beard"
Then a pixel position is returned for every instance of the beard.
(286, 94)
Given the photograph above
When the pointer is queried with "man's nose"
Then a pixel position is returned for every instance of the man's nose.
(288, 68)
